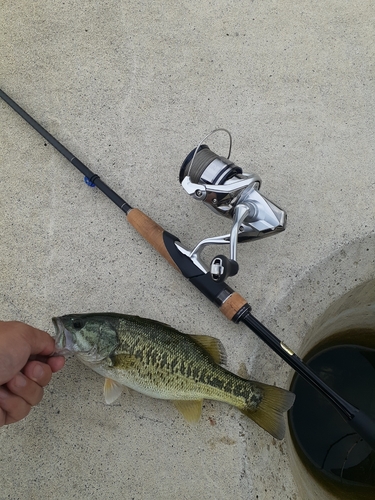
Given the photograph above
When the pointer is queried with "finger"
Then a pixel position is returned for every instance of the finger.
(36, 341)
(38, 372)
(3, 416)
(27, 389)
(40, 342)
(12, 408)
(56, 363)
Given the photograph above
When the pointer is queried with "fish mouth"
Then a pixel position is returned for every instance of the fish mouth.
(63, 338)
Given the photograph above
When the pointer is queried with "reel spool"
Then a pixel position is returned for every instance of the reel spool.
(226, 190)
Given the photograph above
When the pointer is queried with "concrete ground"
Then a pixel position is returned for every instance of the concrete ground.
(130, 88)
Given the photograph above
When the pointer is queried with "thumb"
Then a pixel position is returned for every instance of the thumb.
(17, 342)
(39, 341)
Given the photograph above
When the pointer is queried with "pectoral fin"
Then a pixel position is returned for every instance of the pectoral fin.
(112, 391)
(191, 410)
(212, 346)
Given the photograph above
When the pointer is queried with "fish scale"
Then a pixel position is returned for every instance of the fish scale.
(159, 361)
(178, 362)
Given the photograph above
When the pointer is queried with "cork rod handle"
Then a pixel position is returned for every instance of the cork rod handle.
(151, 232)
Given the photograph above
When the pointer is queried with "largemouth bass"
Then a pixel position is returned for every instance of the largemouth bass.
(159, 361)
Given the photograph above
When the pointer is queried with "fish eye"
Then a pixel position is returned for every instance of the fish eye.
(78, 324)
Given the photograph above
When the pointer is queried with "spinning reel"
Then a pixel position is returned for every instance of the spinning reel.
(225, 189)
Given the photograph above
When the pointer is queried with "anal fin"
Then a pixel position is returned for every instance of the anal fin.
(191, 410)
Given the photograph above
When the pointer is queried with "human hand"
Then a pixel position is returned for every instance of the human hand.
(25, 368)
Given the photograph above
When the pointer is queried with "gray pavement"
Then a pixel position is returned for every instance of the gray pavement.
(130, 88)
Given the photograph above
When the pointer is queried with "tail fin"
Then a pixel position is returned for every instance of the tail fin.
(269, 414)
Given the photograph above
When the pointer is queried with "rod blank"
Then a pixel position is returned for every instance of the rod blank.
(94, 178)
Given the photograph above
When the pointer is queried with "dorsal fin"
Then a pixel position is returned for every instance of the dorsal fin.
(191, 410)
(212, 346)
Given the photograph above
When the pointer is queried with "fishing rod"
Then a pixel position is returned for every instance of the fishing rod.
(221, 185)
